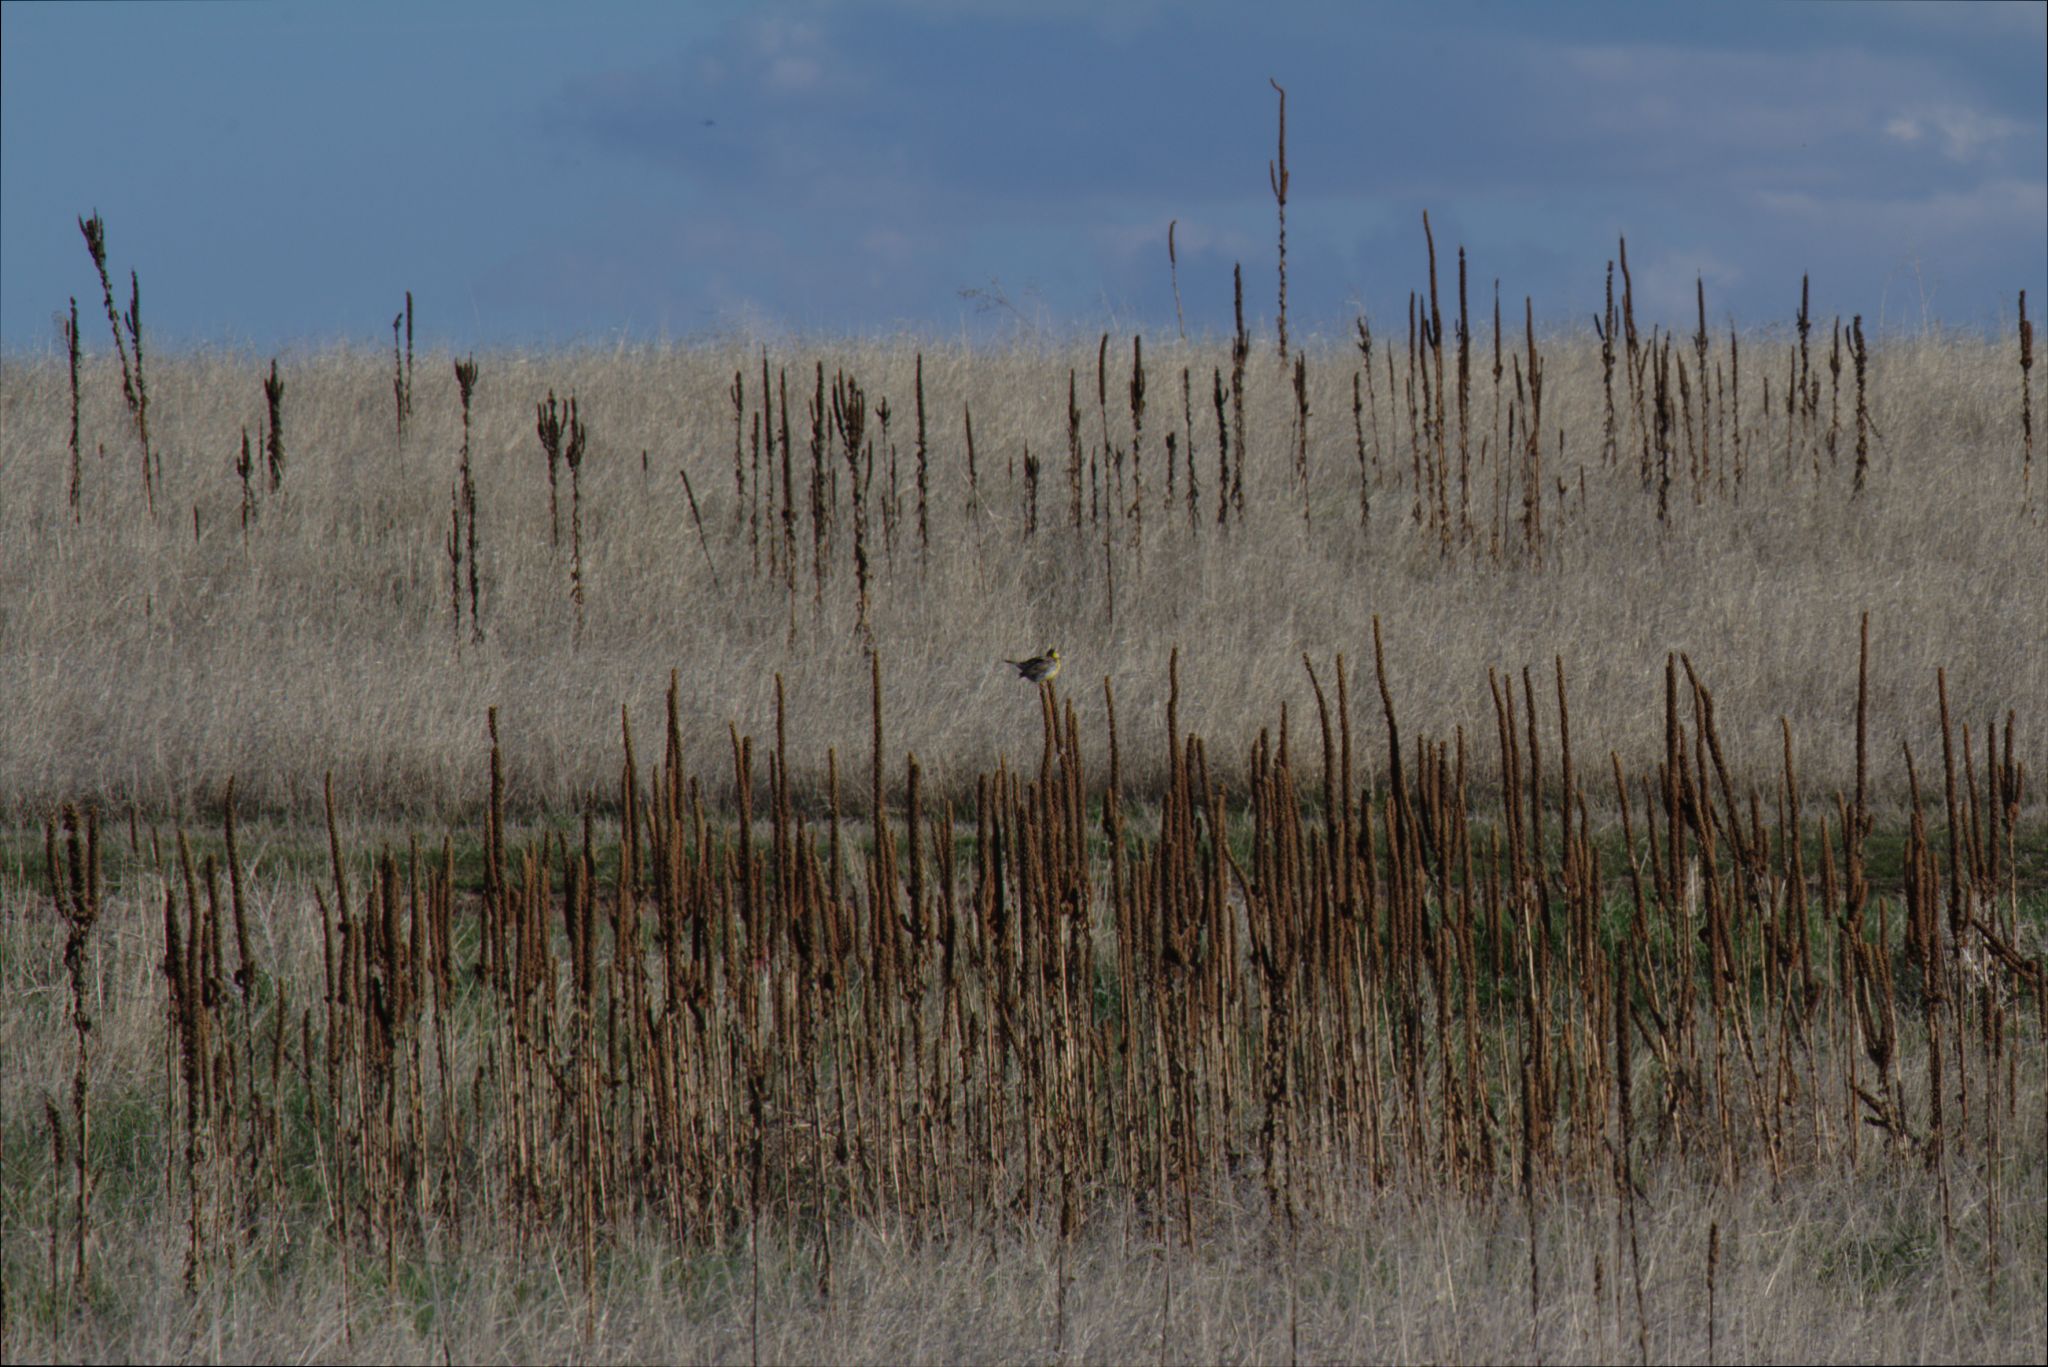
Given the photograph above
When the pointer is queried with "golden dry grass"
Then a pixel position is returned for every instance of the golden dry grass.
(147, 664)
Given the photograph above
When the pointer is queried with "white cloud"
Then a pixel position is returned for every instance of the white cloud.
(890, 246)
(1762, 98)
(1124, 241)
(789, 75)
(1778, 104)
(1667, 285)
(2015, 22)
(2008, 199)
(792, 56)
(1962, 134)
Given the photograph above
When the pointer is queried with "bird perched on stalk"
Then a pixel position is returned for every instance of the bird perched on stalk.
(1039, 668)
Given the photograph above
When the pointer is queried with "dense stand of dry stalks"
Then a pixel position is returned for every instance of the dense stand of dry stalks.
(947, 1018)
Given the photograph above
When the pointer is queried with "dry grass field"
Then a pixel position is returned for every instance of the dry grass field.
(284, 634)
(1533, 853)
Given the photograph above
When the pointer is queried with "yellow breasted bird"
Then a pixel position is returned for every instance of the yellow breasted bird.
(1039, 668)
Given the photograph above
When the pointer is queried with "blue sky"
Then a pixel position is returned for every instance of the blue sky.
(538, 175)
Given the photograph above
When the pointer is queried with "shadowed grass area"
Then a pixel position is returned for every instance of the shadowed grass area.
(1818, 1270)
(1023, 1087)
